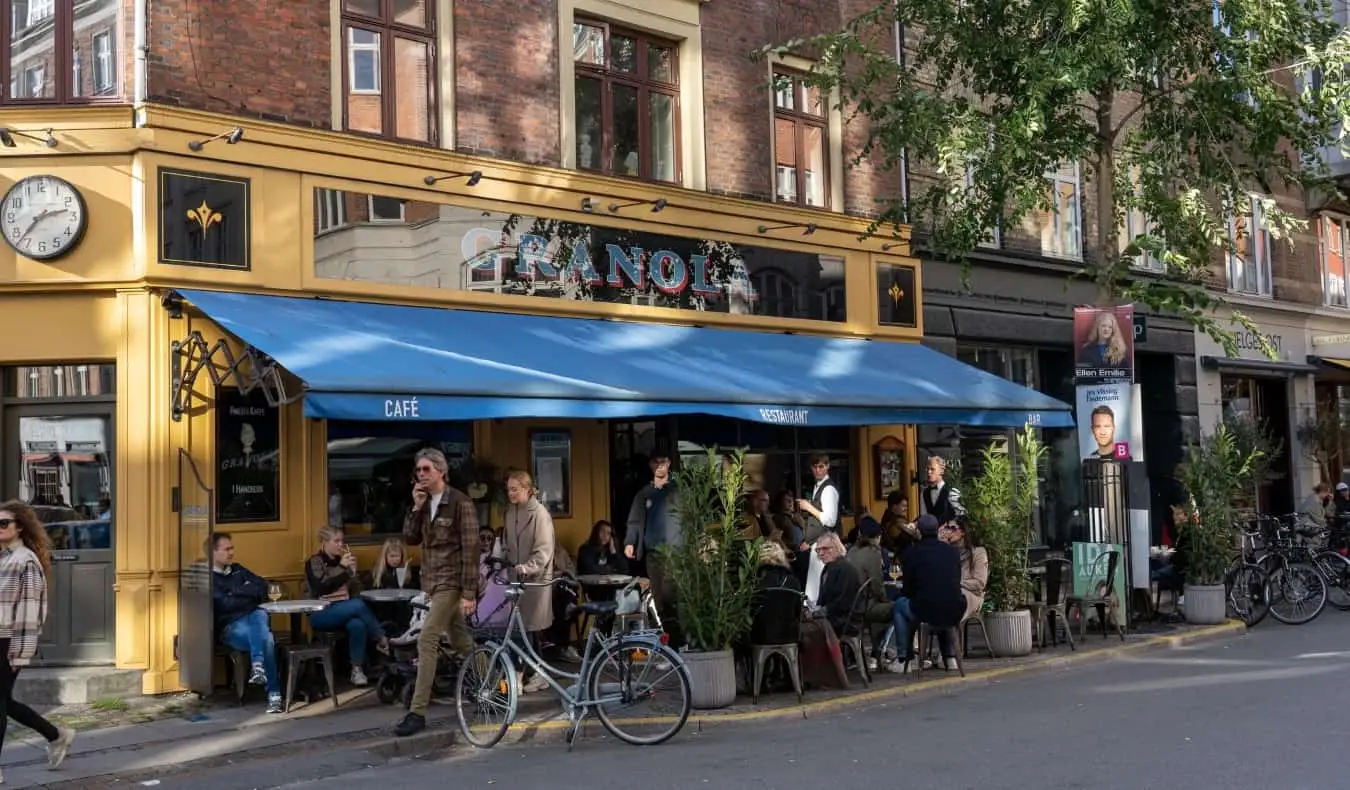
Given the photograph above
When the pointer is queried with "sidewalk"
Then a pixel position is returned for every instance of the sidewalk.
(221, 732)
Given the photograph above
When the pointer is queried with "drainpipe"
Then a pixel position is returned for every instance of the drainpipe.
(140, 75)
(904, 154)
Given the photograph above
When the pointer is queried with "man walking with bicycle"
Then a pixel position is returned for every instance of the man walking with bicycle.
(444, 522)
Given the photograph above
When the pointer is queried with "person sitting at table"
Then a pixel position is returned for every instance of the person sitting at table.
(872, 562)
(393, 571)
(932, 573)
(331, 576)
(898, 532)
(236, 593)
(776, 618)
(600, 556)
(974, 562)
(558, 639)
(839, 582)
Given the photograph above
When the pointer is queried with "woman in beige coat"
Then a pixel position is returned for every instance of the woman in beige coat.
(528, 548)
(974, 564)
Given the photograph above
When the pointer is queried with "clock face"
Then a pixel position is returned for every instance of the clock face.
(43, 217)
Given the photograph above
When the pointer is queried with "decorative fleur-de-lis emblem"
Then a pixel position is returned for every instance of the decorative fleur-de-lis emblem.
(205, 216)
(897, 293)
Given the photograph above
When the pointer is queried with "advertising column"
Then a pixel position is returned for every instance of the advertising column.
(1110, 440)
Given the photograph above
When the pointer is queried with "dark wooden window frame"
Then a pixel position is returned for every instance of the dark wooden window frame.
(63, 21)
(388, 31)
(645, 87)
(801, 120)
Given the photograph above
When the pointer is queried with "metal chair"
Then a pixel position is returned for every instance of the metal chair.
(1111, 559)
(963, 631)
(1053, 610)
(927, 635)
(858, 624)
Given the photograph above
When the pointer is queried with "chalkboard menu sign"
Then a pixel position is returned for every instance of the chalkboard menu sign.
(248, 458)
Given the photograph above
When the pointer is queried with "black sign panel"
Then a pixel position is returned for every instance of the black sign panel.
(203, 219)
(897, 302)
(248, 455)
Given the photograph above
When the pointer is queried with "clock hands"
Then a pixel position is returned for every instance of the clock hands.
(38, 219)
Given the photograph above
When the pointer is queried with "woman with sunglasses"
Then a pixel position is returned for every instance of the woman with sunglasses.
(25, 559)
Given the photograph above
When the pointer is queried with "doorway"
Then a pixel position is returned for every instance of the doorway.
(59, 459)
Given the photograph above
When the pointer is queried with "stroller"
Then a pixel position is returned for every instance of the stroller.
(399, 676)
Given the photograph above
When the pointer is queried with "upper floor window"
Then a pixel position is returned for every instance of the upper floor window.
(389, 67)
(1249, 258)
(1335, 233)
(41, 47)
(1133, 225)
(993, 238)
(627, 102)
(1060, 225)
(800, 142)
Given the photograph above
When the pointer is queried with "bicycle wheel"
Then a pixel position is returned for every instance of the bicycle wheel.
(1297, 593)
(1336, 571)
(486, 695)
(630, 673)
(1248, 589)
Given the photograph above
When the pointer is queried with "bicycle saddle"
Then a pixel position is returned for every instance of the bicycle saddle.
(593, 607)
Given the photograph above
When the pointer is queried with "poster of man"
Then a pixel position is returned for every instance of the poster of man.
(1103, 344)
(1104, 421)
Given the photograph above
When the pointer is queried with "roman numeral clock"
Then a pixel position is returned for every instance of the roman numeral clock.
(43, 217)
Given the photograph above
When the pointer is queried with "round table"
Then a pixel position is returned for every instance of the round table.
(394, 595)
(605, 580)
(295, 609)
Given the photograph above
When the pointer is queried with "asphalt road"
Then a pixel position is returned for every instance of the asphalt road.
(1263, 710)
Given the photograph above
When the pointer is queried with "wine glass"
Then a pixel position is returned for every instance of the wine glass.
(274, 592)
(895, 571)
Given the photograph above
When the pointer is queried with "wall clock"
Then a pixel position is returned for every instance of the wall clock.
(43, 217)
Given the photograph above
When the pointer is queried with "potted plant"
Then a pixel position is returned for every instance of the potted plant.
(1000, 503)
(1215, 473)
(714, 572)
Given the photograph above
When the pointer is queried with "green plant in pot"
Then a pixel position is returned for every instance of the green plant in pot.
(714, 572)
(1000, 503)
(1217, 471)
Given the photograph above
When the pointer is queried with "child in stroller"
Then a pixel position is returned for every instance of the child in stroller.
(398, 677)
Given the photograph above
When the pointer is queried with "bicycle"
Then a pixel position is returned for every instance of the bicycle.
(488, 680)
(1297, 578)
(1247, 584)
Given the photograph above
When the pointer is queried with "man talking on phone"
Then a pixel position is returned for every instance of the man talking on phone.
(444, 522)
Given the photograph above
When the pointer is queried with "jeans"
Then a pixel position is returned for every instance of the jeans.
(443, 616)
(904, 622)
(252, 634)
(356, 618)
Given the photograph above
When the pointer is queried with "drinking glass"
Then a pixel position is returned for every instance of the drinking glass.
(895, 572)
(274, 592)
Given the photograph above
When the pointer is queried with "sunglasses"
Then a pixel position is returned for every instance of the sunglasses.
(6, 523)
(426, 468)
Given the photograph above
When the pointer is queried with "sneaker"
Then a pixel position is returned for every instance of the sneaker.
(949, 663)
(897, 668)
(571, 655)
(536, 683)
(274, 703)
(411, 724)
(359, 677)
(59, 748)
(258, 677)
(871, 665)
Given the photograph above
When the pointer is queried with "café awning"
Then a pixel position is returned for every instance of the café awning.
(367, 361)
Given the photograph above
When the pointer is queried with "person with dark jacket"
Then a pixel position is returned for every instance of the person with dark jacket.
(839, 582)
(872, 562)
(777, 615)
(330, 575)
(932, 574)
(236, 593)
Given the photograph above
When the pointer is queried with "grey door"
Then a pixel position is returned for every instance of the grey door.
(59, 459)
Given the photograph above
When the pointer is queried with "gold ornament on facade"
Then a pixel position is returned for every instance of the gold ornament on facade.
(205, 216)
(897, 293)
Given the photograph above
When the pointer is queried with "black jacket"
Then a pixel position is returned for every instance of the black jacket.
(593, 560)
(412, 579)
(778, 608)
(933, 583)
(235, 593)
(943, 510)
(839, 585)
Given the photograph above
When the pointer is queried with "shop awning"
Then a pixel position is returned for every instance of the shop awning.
(1342, 365)
(1257, 367)
(364, 361)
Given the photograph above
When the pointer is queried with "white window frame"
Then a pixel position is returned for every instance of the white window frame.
(1332, 296)
(371, 50)
(77, 72)
(370, 211)
(1238, 279)
(40, 11)
(105, 63)
(1066, 241)
(34, 74)
(330, 210)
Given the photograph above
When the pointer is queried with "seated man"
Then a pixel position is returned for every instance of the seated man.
(839, 582)
(235, 594)
(932, 573)
(872, 561)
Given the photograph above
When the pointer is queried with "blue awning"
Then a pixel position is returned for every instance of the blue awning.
(364, 361)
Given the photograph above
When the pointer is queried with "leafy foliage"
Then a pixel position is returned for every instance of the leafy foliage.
(1214, 473)
(1321, 435)
(715, 572)
(1001, 506)
(1253, 439)
(1177, 111)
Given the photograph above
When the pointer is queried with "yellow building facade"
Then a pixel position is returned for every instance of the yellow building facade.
(288, 193)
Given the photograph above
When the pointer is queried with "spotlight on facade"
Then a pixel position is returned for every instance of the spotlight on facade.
(587, 205)
(657, 205)
(474, 177)
(807, 227)
(7, 136)
(891, 246)
(231, 137)
(172, 303)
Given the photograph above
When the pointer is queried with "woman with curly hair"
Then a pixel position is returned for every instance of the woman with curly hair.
(1105, 345)
(25, 560)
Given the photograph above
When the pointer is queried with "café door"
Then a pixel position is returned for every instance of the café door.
(59, 459)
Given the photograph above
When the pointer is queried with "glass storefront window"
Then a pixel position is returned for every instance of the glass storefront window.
(370, 470)
(82, 380)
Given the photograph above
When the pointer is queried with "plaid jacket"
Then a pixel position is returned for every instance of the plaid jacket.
(449, 541)
(23, 603)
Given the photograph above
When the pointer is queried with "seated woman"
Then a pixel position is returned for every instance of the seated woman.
(600, 556)
(393, 572)
(331, 576)
(974, 563)
(777, 618)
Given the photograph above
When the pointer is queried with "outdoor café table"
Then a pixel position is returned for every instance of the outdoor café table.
(394, 595)
(601, 587)
(295, 609)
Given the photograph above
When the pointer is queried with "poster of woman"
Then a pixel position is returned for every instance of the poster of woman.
(1103, 343)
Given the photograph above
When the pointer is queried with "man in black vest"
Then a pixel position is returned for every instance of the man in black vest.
(939, 499)
(822, 509)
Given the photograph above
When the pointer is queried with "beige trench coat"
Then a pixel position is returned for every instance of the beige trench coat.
(529, 541)
(973, 581)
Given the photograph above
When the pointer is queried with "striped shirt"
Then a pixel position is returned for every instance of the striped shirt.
(23, 602)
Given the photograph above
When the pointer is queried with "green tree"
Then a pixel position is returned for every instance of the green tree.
(1174, 110)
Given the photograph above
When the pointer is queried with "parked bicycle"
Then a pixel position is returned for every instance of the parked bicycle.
(618, 672)
(1247, 583)
(1302, 575)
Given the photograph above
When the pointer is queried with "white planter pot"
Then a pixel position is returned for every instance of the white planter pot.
(1206, 604)
(1009, 633)
(712, 678)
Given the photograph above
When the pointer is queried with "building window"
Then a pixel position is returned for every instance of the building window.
(50, 46)
(1249, 256)
(1335, 232)
(627, 102)
(330, 210)
(386, 209)
(993, 236)
(1061, 223)
(800, 142)
(390, 66)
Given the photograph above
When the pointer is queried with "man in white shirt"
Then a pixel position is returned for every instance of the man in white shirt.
(822, 509)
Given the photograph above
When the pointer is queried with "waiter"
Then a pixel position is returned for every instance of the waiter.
(939, 499)
(822, 509)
